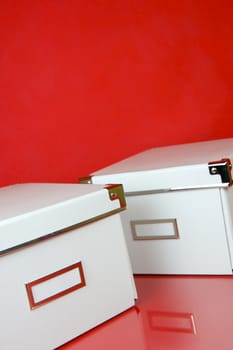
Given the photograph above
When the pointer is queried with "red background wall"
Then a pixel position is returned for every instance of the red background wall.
(84, 83)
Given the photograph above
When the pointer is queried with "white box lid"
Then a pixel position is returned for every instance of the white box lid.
(29, 212)
(169, 167)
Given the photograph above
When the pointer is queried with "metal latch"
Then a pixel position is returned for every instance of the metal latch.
(223, 168)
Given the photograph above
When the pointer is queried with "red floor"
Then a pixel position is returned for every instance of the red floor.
(179, 313)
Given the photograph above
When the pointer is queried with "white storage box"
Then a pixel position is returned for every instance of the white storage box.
(179, 207)
(64, 265)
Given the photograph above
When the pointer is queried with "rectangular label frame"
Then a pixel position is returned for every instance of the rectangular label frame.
(172, 221)
(29, 286)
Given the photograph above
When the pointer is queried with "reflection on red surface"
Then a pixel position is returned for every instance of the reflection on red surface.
(180, 322)
(173, 312)
(208, 299)
(122, 332)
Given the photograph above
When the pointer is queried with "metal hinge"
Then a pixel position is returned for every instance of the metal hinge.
(223, 168)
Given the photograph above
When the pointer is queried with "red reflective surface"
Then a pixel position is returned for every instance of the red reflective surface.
(172, 312)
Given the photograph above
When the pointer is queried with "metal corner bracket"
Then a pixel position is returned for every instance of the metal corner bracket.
(116, 192)
(85, 180)
(223, 168)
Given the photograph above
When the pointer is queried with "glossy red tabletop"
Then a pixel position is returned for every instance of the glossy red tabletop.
(172, 312)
